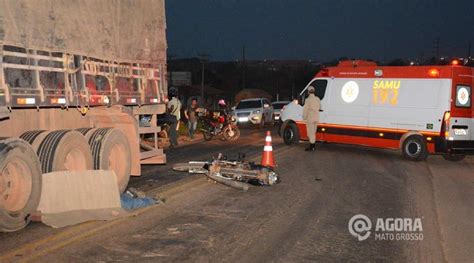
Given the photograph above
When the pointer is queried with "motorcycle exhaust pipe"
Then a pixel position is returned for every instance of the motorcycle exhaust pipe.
(229, 182)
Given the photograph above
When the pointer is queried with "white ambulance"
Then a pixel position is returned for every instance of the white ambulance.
(417, 109)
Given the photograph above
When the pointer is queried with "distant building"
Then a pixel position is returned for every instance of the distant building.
(180, 78)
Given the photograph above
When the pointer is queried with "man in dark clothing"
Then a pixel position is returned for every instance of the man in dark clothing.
(190, 114)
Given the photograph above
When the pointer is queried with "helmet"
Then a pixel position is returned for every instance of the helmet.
(172, 92)
(222, 103)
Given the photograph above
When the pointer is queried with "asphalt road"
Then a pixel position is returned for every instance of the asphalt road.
(304, 218)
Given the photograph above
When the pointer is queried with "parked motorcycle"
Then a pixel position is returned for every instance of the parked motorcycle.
(223, 126)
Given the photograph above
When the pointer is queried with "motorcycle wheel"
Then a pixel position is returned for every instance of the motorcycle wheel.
(207, 135)
(231, 133)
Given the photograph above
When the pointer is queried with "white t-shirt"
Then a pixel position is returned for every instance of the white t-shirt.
(176, 104)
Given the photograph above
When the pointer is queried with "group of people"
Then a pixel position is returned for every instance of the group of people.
(174, 109)
(311, 110)
(191, 112)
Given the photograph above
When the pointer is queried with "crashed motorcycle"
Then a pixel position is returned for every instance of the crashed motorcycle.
(223, 127)
(237, 173)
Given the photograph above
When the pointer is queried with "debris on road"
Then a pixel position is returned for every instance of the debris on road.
(235, 174)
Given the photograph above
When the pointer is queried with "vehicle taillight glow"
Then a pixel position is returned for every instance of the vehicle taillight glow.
(447, 116)
(433, 72)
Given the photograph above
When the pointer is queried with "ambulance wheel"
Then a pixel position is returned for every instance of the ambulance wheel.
(20, 184)
(291, 134)
(111, 151)
(414, 148)
(453, 157)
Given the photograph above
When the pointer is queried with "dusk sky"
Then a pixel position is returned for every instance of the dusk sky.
(319, 29)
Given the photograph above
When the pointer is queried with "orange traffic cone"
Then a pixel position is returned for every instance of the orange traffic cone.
(267, 158)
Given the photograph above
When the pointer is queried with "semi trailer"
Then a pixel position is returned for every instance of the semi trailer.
(75, 79)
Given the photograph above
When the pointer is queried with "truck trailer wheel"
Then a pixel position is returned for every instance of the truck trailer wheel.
(414, 148)
(31, 136)
(290, 134)
(64, 150)
(111, 151)
(20, 184)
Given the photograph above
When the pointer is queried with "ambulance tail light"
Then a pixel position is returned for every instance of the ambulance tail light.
(446, 120)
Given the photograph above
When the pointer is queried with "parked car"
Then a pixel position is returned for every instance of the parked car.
(257, 111)
(277, 107)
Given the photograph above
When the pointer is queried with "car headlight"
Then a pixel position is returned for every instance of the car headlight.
(256, 112)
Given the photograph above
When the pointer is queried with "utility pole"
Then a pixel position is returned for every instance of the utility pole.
(203, 58)
(243, 67)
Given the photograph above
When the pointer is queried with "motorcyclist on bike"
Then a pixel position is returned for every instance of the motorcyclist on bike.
(223, 107)
(220, 124)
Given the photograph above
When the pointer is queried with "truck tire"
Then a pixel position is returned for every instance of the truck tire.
(20, 184)
(30, 136)
(64, 150)
(454, 157)
(291, 134)
(111, 151)
(414, 148)
(84, 131)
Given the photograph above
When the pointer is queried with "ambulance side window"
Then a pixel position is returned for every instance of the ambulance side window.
(320, 86)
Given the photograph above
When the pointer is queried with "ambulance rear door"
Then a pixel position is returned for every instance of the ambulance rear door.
(462, 108)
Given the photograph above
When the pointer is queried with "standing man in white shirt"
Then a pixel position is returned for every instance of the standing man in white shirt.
(174, 108)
